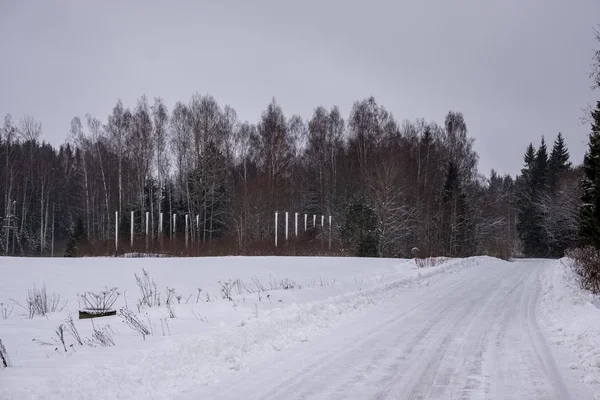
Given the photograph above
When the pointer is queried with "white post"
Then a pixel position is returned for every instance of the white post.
(186, 230)
(296, 223)
(286, 225)
(322, 221)
(330, 232)
(160, 224)
(314, 221)
(116, 231)
(174, 226)
(52, 249)
(147, 228)
(305, 218)
(275, 228)
(132, 229)
(198, 226)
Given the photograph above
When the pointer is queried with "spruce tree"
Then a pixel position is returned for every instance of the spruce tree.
(454, 215)
(590, 209)
(525, 226)
(77, 237)
(559, 160)
(540, 186)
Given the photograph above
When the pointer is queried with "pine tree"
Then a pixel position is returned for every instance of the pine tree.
(590, 209)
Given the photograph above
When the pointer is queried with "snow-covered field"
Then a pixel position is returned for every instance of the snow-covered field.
(311, 328)
(208, 336)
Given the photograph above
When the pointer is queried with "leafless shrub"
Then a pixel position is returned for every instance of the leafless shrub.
(43, 343)
(102, 336)
(150, 295)
(586, 264)
(164, 323)
(258, 287)
(5, 310)
(39, 303)
(199, 317)
(430, 261)
(4, 356)
(131, 320)
(60, 334)
(320, 282)
(198, 297)
(171, 311)
(226, 288)
(100, 301)
(72, 329)
(170, 295)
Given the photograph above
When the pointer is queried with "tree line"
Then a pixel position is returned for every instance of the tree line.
(392, 188)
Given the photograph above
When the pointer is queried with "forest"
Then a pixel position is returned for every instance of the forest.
(393, 189)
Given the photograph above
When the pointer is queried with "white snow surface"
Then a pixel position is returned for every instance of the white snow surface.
(572, 318)
(356, 329)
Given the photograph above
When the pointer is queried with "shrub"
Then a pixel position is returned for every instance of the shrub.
(131, 320)
(586, 264)
(150, 295)
(100, 301)
(5, 310)
(102, 336)
(39, 303)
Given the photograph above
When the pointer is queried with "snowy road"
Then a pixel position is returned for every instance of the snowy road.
(471, 335)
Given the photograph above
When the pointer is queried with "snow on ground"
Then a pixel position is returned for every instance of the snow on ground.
(205, 339)
(572, 317)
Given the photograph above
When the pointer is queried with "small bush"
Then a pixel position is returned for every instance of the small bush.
(131, 320)
(171, 311)
(60, 335)
(101, 336)
(72, 329)
(586, 264)
(4, 360)
(150, 295)
(226, 288)
(39, 303)
(5, 310)
(100, 301)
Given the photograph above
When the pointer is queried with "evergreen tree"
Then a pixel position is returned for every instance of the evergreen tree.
(77, 237)
(360, 231)
(540, 167)
(590, 209)
(540, 186)
(454, 214)
(559, 160)
(525, 226)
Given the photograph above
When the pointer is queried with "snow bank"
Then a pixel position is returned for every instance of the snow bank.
(229, 335)
(572, 317)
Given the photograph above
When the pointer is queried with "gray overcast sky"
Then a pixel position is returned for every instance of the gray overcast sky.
(517, 69)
